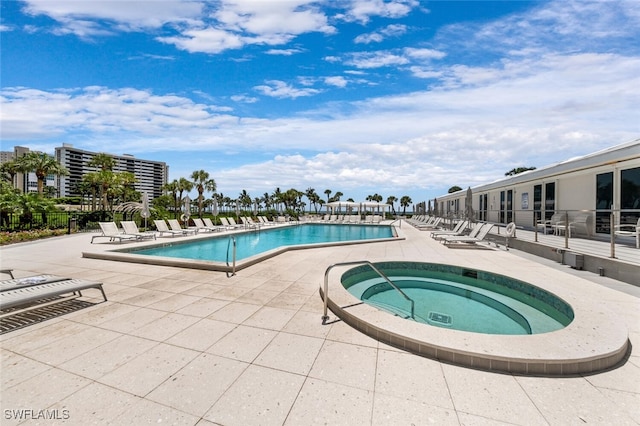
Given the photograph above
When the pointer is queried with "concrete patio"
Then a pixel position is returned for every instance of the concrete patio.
(193, 347)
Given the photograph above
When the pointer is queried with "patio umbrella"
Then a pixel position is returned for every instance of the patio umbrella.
(255, 208)
(237, 211)
(435, 207)
(214, 208)
(468, 204)
(187, 208)
(145, 212)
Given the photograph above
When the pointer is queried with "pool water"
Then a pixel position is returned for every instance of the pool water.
(252, 243)
(475, 301)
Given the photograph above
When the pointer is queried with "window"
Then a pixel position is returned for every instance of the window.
(604, 201)
(537, 203)
(630, 195)
(549, 200)
(482, 213)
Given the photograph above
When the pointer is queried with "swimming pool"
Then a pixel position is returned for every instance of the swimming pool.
(214, 251)
(459, 298)
(592, 340)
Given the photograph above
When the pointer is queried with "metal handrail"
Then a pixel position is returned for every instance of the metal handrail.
(399, 220)
(325, 317)
(233, 271)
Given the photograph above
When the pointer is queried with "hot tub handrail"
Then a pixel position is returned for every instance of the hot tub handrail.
(325, 317)
(233, 270)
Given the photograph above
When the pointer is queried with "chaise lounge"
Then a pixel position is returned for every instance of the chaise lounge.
(25, 291)
(110, 230)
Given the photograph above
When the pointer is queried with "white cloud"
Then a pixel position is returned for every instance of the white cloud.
(207, 40)
(363, 10)
(284, 52)
(337, 81)
(244, 99)
(280, 89)
(82, 17)
(393, 30)
(423, 54)
(375, 59)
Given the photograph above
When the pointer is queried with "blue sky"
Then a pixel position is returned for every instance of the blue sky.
(395, 97)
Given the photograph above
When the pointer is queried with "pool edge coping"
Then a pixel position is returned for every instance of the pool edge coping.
(585, 346)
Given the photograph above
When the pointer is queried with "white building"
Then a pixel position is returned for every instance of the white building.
(25, 182)
(151, 175)
(592, 187)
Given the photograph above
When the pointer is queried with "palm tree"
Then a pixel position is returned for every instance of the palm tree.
(105, 164)
(9, 170)
(404, 202)
(202, 183)
(266, 199)
(42, 165)
(183, 185)
(244, 199)
(92, 180)
(313, 198)
(337, 196)
(328, 193)
(277, 198)
(390, 200)
(172, 187)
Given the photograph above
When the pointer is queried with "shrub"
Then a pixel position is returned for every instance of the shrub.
(35, 234)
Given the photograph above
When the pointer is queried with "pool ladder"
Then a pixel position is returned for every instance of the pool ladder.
(233, 270)
(325, 317)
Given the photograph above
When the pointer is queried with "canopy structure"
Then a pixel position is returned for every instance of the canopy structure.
(375, 206)
(346, 206)
(338, 207)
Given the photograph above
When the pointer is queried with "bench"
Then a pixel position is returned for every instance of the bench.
(24, 291)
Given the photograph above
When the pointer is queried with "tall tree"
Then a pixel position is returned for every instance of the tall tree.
(183, 185)
(405, 201)
(9, 170)
(172, 187)
(202, 183)
(391, 200)
(328, 193)
(518, 170)
(105, 164)
(42, 165)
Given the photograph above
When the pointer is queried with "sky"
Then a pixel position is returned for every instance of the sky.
(389, 97)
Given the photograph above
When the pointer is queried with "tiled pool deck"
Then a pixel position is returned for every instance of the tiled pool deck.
(178, 346)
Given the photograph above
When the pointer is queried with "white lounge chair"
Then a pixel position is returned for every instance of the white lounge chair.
(22, 295)
(162, 228)
(175, 226)
(478, 237)
(473, 233)
(131, 228)
(110, 230)
(266, 221)
(457, 230)
(230, 223)
(209, 223)
(201, 226)
(248, 223)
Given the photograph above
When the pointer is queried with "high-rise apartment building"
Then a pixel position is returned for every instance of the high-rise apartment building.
(151, 175)
(25, 182)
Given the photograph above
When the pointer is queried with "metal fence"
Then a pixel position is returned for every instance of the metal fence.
(72, 221)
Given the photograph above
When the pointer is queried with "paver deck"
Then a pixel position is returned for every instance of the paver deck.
(194, 347)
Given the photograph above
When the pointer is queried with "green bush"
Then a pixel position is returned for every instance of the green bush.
(34, 234)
